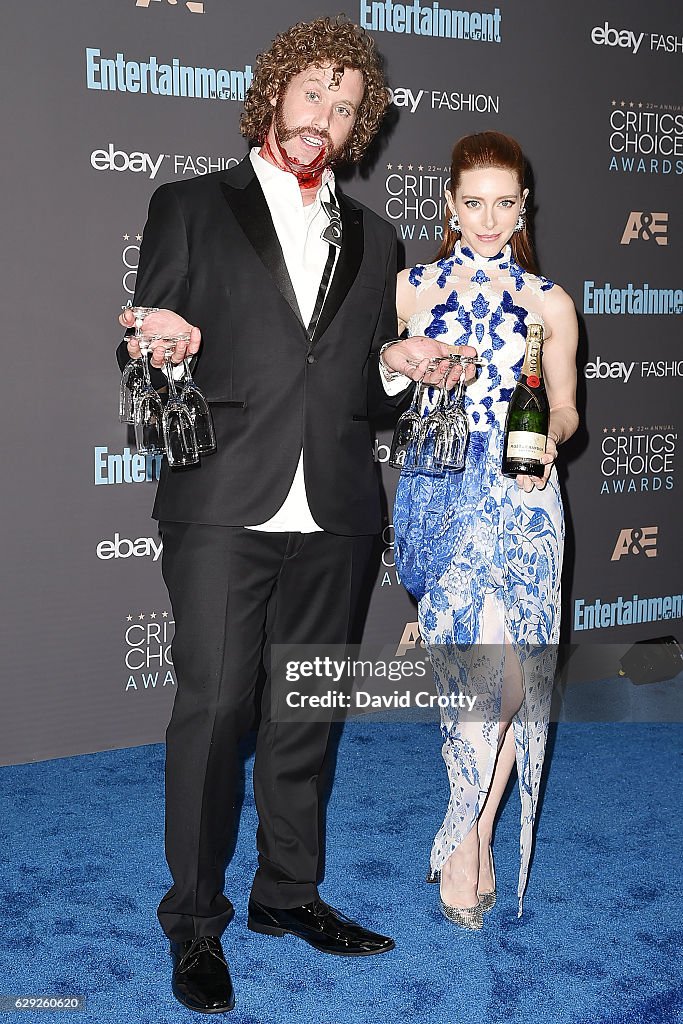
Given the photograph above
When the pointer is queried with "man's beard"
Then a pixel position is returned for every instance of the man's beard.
(308, 175)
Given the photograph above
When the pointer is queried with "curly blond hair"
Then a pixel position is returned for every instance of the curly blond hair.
(335, 41)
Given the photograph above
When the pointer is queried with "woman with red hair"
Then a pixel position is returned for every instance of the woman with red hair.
(483, 552)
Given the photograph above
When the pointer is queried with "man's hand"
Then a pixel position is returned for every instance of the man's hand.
(419, 358)
(163, 324)
(527, 483)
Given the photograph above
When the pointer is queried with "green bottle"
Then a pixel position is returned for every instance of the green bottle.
(526, 426)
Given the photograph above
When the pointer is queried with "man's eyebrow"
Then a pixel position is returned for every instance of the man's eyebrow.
(326, 85)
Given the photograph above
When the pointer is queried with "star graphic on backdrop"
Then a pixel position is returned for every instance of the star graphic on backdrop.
(605, 430)
(153, 615)
(614, 430)
(138, 238)
(631, 104)
(126, 237)
(400, 167)
(141, 616)
(621, 430)
(623, 103)
(410, 167)
(639, 105)
(165, 615)
(390, 167)
(614, 103)
(129, 618)
(630, 430)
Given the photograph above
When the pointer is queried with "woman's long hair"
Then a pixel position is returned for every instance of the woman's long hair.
(490, 149)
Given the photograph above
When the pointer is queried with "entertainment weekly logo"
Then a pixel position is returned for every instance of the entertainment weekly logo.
(171, 78)
(146, 650)
(430, 19)
(635, 459)
(645, 138)
(626, 610)
(415, 201)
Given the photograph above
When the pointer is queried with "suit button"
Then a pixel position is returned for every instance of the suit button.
(310, 359)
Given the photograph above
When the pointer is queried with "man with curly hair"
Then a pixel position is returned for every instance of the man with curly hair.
(267, 541)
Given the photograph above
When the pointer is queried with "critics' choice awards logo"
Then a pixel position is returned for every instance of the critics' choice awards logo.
(645, 138)
(643, 226)
(636, 42)
(119, 74)
(637, 459)
(193, 6)
(130, 258)
(639, 540)
(430, 19)
(147, 639)
(415, 200)
(410, 99)
(149, 164)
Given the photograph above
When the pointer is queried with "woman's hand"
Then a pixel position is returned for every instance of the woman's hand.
(527, 483)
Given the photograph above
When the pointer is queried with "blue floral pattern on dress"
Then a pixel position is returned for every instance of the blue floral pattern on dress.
(483, 557)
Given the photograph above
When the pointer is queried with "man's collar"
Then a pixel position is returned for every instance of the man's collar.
(268, 173)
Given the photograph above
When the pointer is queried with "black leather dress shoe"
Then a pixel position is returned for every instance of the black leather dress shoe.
(321, 926)
(201, 979)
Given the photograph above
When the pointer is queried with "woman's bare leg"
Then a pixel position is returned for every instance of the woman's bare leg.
(513, 695)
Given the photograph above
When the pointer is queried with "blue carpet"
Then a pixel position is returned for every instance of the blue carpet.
(600, 941)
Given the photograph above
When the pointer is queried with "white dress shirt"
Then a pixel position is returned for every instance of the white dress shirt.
(299, 229)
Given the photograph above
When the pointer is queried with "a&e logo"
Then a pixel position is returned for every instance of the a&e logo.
(638, 541)
(646, 227)
(195, 6)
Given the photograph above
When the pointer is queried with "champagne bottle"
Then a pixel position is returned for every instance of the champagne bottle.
(526, 425)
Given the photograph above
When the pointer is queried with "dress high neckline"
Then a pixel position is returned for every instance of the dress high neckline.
(467, 256)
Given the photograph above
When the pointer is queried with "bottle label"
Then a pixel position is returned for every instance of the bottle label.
(532, 360)
(525, 445)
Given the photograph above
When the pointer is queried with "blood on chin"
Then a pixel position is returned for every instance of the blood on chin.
(308, 175)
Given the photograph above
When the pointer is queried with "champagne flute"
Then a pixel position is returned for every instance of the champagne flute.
(458, 426)
(200, 412)
(178, 429)
(148, 408)
(407, 432)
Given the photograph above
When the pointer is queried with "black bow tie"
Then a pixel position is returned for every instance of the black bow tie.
(333, 231)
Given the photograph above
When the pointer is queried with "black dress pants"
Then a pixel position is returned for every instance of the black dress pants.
(234, 592)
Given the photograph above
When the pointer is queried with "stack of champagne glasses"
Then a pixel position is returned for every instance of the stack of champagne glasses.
(436, 441)
(181, 428)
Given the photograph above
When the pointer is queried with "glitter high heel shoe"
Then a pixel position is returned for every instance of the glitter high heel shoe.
(470, 918)
(487, 900)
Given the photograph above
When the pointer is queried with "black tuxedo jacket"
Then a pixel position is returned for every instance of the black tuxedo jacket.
(210, 253)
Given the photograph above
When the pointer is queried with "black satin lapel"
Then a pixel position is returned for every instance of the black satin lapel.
(347, 267)
(253, 216)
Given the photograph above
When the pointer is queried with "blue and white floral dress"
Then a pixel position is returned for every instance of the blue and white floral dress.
(483, 557)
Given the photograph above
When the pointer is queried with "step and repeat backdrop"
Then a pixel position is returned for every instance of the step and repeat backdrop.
(107, 99)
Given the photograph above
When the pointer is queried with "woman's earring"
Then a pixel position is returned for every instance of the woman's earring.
(521, 221)
(454, 223)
